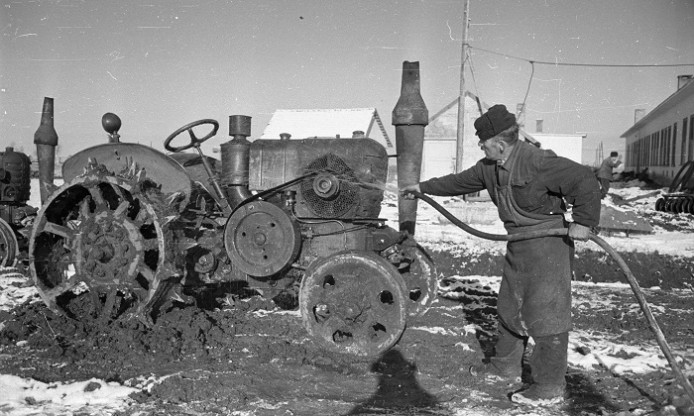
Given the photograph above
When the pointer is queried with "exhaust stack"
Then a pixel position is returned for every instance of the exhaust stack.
(235, 160)
(410, 116)
(46, 140)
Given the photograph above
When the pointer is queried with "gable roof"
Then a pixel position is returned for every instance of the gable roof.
(304, 123)
(675, 98)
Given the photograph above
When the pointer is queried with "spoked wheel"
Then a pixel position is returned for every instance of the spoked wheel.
(104, 234)
(354, 302)
(8, 245)
(420, 278)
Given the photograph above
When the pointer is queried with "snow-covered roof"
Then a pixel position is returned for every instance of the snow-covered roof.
(682, 94)
(305, 123)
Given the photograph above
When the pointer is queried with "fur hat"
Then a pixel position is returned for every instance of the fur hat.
(614, 154)
(494, 121)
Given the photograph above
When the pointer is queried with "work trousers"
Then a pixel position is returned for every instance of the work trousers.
(548, 361)
(604, 186)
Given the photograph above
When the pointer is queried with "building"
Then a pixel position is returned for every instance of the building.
(569, 146)
(661, 141)
(329, 123)
(440, 139)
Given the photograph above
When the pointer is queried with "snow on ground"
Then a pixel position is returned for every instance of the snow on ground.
(591, 350)
(433, 231)
(30, 397)
(92, 397)
(437, 233)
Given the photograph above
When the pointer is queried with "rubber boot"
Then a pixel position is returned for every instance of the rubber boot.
(509, 352)
(507, 363)
(549, 361)
(548, 365)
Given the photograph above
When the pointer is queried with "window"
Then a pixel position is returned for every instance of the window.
(683, 151)
(673, 146)
(661, 147)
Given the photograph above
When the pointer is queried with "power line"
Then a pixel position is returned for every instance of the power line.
(531, 61)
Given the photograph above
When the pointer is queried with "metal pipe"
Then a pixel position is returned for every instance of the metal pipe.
(410, 116)
(235, 160)
(46, 140)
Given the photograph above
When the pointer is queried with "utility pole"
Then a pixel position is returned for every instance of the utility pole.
(461, 97)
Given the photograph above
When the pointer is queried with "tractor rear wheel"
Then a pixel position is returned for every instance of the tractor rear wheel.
(105, 236)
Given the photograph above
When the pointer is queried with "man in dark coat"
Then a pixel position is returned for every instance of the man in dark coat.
(604, 173)
(529, 186)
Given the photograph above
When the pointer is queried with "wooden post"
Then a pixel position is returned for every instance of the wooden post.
(461, 97)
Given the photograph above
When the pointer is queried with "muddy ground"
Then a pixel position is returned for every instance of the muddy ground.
(237, 355)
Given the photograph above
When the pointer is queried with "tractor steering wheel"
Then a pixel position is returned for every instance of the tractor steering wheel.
(194, 141)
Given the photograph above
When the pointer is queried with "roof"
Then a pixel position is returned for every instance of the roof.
(305, 123)
(677, 97)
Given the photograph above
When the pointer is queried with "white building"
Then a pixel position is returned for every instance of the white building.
(329, 123)
(440, 138)
(663, 140)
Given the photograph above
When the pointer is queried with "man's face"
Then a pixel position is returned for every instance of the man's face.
(491, 147)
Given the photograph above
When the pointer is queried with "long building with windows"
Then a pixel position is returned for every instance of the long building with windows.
(661, 141)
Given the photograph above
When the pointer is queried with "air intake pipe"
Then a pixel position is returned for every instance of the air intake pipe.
(235, 160)
(410, 116)
(46, 140)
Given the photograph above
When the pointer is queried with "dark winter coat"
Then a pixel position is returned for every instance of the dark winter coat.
(605, 170)
(528, 188)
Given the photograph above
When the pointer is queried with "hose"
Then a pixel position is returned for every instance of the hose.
(660, 338)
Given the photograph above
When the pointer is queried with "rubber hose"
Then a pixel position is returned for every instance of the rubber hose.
(660, 338)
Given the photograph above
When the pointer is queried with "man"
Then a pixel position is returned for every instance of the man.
(527, 184)
(604, 173)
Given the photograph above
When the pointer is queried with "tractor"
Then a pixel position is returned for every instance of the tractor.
(132, 226)
(16, 217)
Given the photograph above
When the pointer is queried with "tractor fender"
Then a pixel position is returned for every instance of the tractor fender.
(118, 157)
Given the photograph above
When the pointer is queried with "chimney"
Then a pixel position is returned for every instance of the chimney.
(683, 80)
(538, 126)
(358, 134)
(638, 114)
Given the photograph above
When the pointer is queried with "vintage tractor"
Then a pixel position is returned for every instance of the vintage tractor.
(16, 217)
(131, 226)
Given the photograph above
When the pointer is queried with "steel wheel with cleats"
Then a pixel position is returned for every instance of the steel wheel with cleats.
(354, 302)
(105, 234)
(9, 248)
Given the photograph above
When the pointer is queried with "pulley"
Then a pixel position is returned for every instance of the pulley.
(261, 239)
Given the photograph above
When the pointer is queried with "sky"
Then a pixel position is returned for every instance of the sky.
(160, 64)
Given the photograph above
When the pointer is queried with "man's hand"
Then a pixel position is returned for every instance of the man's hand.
(406, 191)
(578, 231)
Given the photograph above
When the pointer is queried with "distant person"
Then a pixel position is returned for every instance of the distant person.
(527, 184)
(604, 173)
